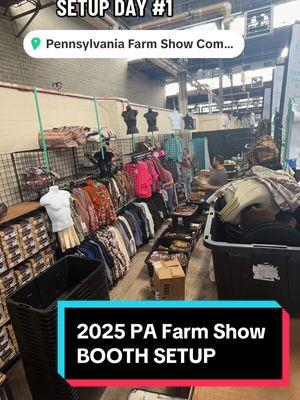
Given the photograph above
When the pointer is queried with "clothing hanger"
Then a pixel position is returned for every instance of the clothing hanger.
(79, 182)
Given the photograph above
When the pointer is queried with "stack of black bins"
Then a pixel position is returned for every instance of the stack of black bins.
(33, 313)
(234, 267)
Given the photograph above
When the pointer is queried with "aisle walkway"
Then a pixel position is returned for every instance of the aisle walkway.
(291, 392)
(198, 286)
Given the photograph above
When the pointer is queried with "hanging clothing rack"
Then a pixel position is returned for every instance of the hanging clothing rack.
(125, 206)
(141, 156)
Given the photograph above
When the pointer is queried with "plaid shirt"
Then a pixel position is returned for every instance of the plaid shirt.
(174, 149)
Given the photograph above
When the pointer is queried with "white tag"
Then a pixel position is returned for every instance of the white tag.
(265, 272)
(157, 264)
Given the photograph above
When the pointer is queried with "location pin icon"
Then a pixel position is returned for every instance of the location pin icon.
(35, 42)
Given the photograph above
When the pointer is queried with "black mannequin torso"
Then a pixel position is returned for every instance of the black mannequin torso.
(151, 117)
(188, 122)
(129, 117)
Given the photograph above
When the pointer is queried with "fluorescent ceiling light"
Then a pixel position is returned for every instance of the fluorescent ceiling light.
(134, 58)
(285, 52)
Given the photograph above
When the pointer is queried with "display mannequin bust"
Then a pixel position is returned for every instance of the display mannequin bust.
(57, 204)
(105, 162)
(151, 117)
(175, 119)
(188, 122)
(129, 117)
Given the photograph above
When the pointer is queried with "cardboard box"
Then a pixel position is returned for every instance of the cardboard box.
(24, 225)
(14, 256)
(37, 265)
(40, 229)
(44, 242)
(8, 233)
(3, 268)
(14, 259)
(10, 243)
(7, 282)
(36, 220)
(27, 235)
(12, 337)
(4, 337)
(23, 274)
(37, 259)
(3, 265)
(168, 280)
(3, 309)
(23, 279)
(41, 235)
(42, 239)
(29, 243)
(30, 249)
(7, 354)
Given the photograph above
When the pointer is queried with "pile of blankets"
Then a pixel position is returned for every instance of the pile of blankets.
(275, 189)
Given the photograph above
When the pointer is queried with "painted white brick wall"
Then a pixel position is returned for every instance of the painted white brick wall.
(108, 77)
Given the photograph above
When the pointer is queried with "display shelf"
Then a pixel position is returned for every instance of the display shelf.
(19, 210)
(14, 212)
(7, 320)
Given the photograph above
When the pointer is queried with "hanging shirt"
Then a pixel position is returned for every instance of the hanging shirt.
(107, 237)
(117, 236)
(218, 178)
(144, 220)
(81, 209)
(149, 218)
(159, 169)
(153, 174)
(174, 149)
(134, 225)
(141, 177)
(170, 180)
(102, 201)
(175, 119)
(125, 237)
(128, 231)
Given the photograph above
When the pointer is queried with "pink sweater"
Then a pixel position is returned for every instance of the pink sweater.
(141, 178)
(153, 174)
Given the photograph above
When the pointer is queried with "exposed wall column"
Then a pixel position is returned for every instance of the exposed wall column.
(182, 97)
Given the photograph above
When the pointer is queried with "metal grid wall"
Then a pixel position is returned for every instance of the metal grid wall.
(70, 164)
(9, 189)
(83, 166)
(62, 162)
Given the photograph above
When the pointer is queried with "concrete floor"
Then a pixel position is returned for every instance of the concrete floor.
(198, 286)
(134, 286)
(291, 392)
